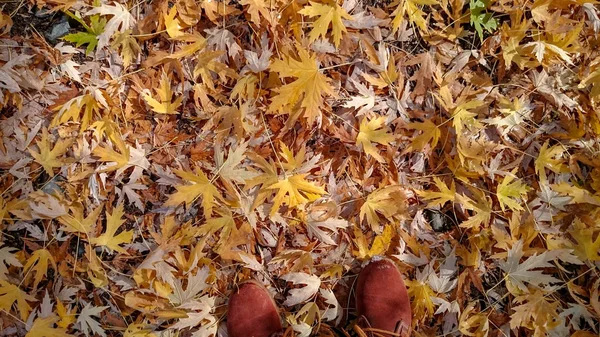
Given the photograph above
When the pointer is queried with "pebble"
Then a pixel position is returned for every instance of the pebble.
(58, 31)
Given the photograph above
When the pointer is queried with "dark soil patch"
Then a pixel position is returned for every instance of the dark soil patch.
(377, 3)
(28, 20)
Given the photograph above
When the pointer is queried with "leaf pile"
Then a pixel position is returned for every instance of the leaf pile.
(164, 151)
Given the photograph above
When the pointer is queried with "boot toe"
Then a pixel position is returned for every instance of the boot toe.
(252, 312)
(381, 296)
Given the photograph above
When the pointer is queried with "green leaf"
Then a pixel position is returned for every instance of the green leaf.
(82, 38)
(90, 36)
(481, 19)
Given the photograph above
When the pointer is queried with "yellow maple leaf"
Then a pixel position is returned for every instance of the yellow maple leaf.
(387, 201)
(473, 324)
(373, 131)
(513, 114)
(95, 271)
(256, 9)
(414, 12)
(512, 50)
(49, 158)
(139, 330)
(224, 222)
(128, 46)
(197, 42)
(200, 187)
(67, 317)
(586, 248)
(3, 209)
(216, 9)
(43, 327)
(420, 298)
(231, 120)
(549, 51)
(537, 312)
(583, 333)
(482, 206)
(386, 64)
(72, 110)
(431, 135)
(328, 13)
(463, 117)
(439, 198)
(76, 222)
(109, 239)
(508, 191)
(593, 79)
(554, 48)
(472, 154)
(227, 245)
(7, 206)
(292, 161)
(579, 195)
(245, 87)
(380, 245)
(265, 179)
(121, 158)
(172, 24)
(9, 294)
(38, 264)
(106, 127)
(294, 191)
(547, 159)
(207, 63)
(459, 170)
(310, 85)
(165, 104)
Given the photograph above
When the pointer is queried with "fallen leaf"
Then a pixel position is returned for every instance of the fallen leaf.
(298, 295)
(110, 239)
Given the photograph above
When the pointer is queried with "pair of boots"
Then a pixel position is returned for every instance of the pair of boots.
(382, 305)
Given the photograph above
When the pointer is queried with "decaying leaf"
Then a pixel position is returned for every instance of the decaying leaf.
(86, 322)
(519, 274)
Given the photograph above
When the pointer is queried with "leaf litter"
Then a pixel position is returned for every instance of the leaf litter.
(162, 152)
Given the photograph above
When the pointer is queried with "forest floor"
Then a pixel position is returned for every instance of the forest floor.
(155, 154)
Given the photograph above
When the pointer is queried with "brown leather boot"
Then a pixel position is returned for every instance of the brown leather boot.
(382, 300)
(252, 312)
